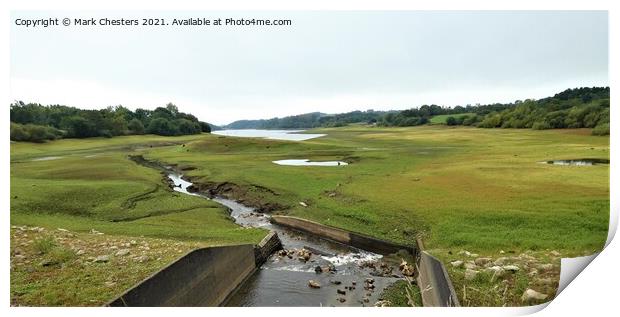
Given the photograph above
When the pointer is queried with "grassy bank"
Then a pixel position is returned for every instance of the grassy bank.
(86, 186)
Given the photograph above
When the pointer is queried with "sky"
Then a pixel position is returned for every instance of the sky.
(330, 62)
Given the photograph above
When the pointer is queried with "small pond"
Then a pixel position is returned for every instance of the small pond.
(46, 158)
(578, 162)
(307, 162)
(288, 135)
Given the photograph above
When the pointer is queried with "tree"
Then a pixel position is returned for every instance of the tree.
(205, 127)
(451, 121)
(161, 126)
(187, 127)
(78, 127)
(135, 126)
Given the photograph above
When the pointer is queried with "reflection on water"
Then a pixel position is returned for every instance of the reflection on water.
(307, 162)
(288, 135)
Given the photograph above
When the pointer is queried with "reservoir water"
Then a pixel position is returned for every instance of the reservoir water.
(288, 135)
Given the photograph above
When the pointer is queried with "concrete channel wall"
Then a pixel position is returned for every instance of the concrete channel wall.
(434, 283)
(203, 277)
(343, 236)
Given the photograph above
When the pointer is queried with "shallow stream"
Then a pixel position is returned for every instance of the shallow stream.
(283, 280)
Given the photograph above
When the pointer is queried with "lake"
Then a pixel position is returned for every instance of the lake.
(288, 135)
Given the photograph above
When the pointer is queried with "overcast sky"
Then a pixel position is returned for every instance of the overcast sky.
(326, 61)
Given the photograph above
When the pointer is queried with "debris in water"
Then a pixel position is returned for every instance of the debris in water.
(314, 284)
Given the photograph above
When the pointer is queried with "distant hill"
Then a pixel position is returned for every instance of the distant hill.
(310, 120)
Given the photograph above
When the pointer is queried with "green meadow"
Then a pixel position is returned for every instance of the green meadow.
(91, 184)
(460, 188)
(479, 189)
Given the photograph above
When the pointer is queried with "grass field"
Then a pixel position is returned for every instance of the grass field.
(481, 190)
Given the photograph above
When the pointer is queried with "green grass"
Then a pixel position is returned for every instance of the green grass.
(94, 186)
(441, 119)
(402, 294)
(458, 188)
(479, 189)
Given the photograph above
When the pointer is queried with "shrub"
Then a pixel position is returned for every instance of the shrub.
(601, 129)
(541, 125)
(61, 255)
(34, 133)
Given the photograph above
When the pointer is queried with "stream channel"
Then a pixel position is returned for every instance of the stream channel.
(283, 280)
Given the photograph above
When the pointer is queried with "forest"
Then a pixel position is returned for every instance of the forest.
(310, 120)
(37, 123)
(573, 108)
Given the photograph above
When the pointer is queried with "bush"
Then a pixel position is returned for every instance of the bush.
(33, 133)
(541, 125)
(451, 121)
(601, 129)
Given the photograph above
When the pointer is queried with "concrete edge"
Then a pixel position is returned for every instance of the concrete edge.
(434, 282)
(195, 262)
(353, 239)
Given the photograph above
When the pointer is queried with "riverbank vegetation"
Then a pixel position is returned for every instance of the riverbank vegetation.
(38, 123)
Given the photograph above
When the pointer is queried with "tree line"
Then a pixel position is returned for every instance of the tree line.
(310, 120)
(586, 107)
(572, 108)
(36, 123)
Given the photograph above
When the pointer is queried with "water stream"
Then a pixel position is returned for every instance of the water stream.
(283, 279)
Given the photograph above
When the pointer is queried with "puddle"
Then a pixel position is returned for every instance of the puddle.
(287, 135)
(46, 158)
(578, 162)
(307, 162)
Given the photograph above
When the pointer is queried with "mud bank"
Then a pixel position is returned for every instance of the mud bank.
(255, 196)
